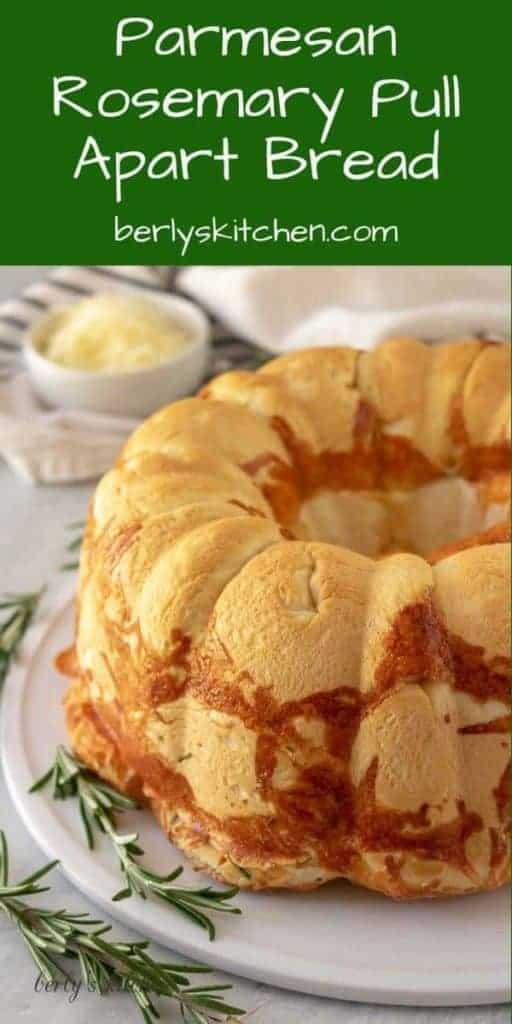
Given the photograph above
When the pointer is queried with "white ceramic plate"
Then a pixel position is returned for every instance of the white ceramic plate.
(339, 941)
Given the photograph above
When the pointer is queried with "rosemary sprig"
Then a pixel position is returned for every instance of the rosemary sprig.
(99, 805)
(55, 937)
(74, 545)
(20, 610)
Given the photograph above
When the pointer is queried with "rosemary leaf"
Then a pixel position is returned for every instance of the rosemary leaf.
(20, 609)
(74, 545)
(100, 805)
(69, 566)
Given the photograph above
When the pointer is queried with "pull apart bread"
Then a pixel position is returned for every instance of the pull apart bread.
(267, 650)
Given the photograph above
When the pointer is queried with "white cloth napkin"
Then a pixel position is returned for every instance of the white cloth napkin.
(278, 308)
(281, 308)
(56, 447)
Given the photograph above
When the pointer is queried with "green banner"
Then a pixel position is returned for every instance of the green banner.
(347, 133)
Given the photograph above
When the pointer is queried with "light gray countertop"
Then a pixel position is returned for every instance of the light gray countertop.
(32, 539)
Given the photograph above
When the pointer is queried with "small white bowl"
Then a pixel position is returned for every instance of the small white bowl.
(134, 393)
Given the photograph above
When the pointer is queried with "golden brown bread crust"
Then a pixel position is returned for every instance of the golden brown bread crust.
(497, 534)
(297, 702)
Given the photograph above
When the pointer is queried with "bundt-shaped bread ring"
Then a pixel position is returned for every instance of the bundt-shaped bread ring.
(265, 650)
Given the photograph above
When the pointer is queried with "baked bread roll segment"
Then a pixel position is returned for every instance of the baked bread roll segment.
(268, 650)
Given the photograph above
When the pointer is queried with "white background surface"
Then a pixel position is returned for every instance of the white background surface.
(32, 539)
